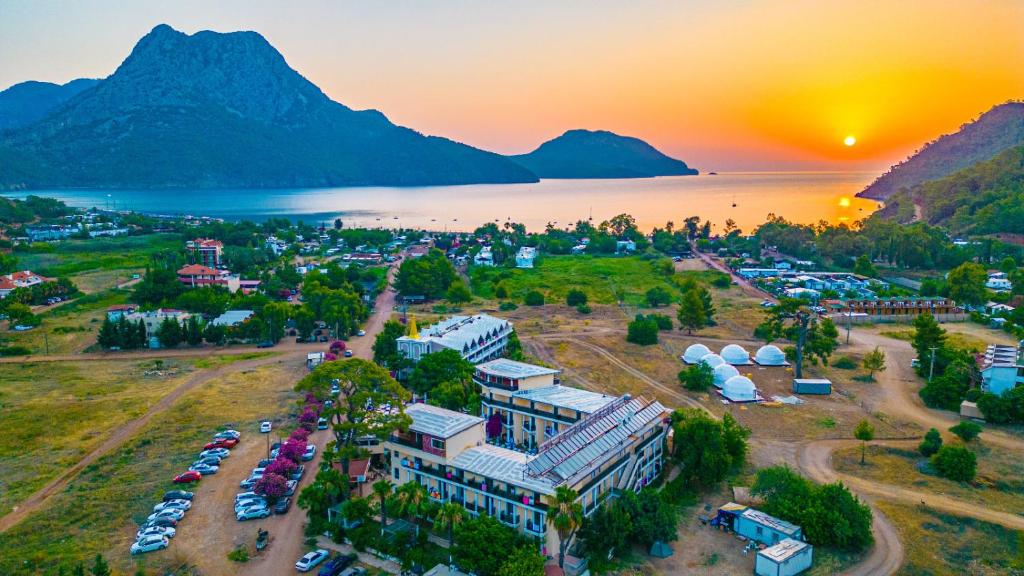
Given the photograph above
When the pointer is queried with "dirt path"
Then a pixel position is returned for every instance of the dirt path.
(284, 346)
(120, 435)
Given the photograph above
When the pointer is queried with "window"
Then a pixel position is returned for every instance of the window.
(396, 472)
(437, 444)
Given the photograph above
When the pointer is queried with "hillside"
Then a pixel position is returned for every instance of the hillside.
(213, 110)
(29, 102)
(985, 198)
(1000, 128)
(600, 154)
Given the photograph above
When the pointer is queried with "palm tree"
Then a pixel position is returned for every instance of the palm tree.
(448, 515)
(382, 489)
(412, 501)
(567, 519)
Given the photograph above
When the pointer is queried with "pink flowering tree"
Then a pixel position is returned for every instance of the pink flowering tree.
(299, 434)
(292, 450)
(337, 347)
(330, 357)
(273, 486)
(281, 467)
(308, 416)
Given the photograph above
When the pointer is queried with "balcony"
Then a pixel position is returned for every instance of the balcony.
(407, 441)
(538, 530)
(511, 520)
(529, 426)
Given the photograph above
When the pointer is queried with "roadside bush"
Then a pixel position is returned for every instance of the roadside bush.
(534, 298)
(507, 306)
(956, 463)
(663, 322)
(845, 363)
(657, 297)
(721, 280)
(966, 430)
(642, 331)
(698, 377)
(576, 297)
(931, 443)
(239, 554)
(14, 351)
(583, 309)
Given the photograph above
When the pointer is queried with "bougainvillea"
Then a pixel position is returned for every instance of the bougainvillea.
(330, 357)
(292, 450)
(271, 485)
(337, 347)
(308, 415)
(281, 467)
(299, 434)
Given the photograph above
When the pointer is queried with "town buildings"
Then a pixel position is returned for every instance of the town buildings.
(477, 338)
(1002, 368)
(23, 279)
(151, 321)
(901, 309)
(206, 252)
(525, 257)
(999, 282)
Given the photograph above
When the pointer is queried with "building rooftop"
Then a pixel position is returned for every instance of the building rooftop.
(567, 397)
(463, 333)
(784, 550)
(506, 368)
(439, 422)
(502, 465)
(232, 317)
(1001, 355)
(770, 521)
(197, 270)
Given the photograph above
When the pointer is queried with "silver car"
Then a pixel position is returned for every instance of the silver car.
(165, 531)
(149, 544)
(172, 513)
(173, 504)
(251, 513)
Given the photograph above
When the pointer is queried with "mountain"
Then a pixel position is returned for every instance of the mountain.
(29, 102)
(986, 198)
(1000, 128)
(213, 110)
(600, 154)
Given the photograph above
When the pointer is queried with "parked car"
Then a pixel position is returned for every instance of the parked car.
(228, 434)
(265, 344)
(321, 424)
(166, 522)
(265, 426)
(309, 453)
(188, 477)
(915, 363)
(178, 495)
(149, 544)
(335, 390)
(335, 565)
(298, 472)
(361, 333)
(177, 504)
(204, 469)
(311, 559)
(23, 327)
(323, 338)
(227, 443)
(218, 452)
(165, 531)
(354, 571)
(209, 460)
(347, 354)
(244, 495)
(251, 513)
(264, 463)
(174, 513)
(290, 487)
(282, 505)
(250, 503)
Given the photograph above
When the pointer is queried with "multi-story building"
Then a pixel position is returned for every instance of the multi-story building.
(206, 252)
(24, 279)
(616, 448)
(525, 405)
(1002, 368)
(196, 275)
(477, 338)
(900, 309)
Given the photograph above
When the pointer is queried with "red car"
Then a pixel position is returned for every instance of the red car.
(188, 477)
(226, 443)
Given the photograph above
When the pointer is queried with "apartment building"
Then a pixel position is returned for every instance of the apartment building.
(618, 447)
(206, 252)
(477, 338)
(23, 279)
(901, 309)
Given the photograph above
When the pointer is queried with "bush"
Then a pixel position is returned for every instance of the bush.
(500, 291)
(506, 306)
(657, 297)
(239, 554)
(576, 297)
(721, 280)
(663, 322)
(966, 430)
(14, 351)
(642, 331)
(931, 443)
(845, 363)
(533, 298)
(583, 309)
(956, 463)
(698, 377)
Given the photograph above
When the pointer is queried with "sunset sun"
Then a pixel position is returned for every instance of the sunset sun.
(849, 140)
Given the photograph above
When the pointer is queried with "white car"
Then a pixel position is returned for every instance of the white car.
(252, 512)
(228, 434)
(311, 559)
(254, 502)
(243, 495)
(218, 452)
(265, 426)
(361, 333)
(165, 531)
(149, 544)
(173, 504)
(172, 513)
(309, 453)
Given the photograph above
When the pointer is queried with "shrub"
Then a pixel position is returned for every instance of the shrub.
(721, 280)
(642, 331)
(966, 430)
(534, 298)
(500, 291)
(698, 377)
(576, 297)
(506, 306)
(583, 309)
(931, 443)
(956, 463)
(657, 297)
(240, 554)
(845, 363)
(14, 351)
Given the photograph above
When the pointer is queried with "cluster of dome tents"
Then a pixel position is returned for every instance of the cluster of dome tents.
(727, 378)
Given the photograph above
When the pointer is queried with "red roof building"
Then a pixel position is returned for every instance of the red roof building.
(23, 279)
(206, 251)
(198, 275)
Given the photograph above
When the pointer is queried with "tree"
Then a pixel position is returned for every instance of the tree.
(576, 297)
(533, 298)
(931, 443)
(814, 340)
(194, 331)
(873, 361)
(658, 296)
(385, 346)
(864, 267)
(328, 487)
(449, 515)
(439, 367)
(864, 432)
(108, 335)
(271, 485)
(524, 561)
(967, 283)
(99, 567)
(927, 335)
(429, 275)
(480, 543)
(697, 377)
(8, 263)
(652, 519)
(412, 501)
(691, 314)
(382, 490)
(642, 331)
(956, 463)
(966, 430)
(215, 334)
(169, 333)
(305, 322)
(567, 518)
(606, 531)
(706, 449)
(363, 386)
(458, 293)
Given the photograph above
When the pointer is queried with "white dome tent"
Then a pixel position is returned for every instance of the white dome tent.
(713, 360)
(770, 355)
(723, 372)
(739, 389)
(735, 354)
(694, 352)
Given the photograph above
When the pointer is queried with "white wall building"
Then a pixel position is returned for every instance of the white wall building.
(525, 257)
(477, 338)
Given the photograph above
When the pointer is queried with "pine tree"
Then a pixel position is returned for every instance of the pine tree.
(692, 314)
(99, 567)
(108, 336)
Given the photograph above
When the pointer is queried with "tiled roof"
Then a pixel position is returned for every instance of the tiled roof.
(197, 270)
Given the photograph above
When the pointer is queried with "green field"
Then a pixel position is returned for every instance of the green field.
(96, 512)
(605, 279)
(71, 257)
(68, 328)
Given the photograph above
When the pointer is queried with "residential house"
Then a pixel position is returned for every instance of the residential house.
(197, 275)
(477, 338)
(23, 279)
(484, 257)
(418, 250)
(525, 257)
(1002, 368)
(152, 320)
(617, 448)
(276, 245)
(625, 246)
(998, 282)
(117, 311)
(897, 309)
(787, 558)
(232, 318)
(206, 252)
(998, 309)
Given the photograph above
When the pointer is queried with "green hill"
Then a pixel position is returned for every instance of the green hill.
(600, 154)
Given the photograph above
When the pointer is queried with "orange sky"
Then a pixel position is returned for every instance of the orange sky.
(726, 85)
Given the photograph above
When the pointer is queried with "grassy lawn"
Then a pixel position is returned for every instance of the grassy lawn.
(69, 328)
(72, 257)
(606, 280)
(956, 339)
(97, 512)
(56, 412)
(998, 484)
(941, 544)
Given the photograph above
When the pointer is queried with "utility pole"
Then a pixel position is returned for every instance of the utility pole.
(802, 318)
(931, 366)
(849, 321)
